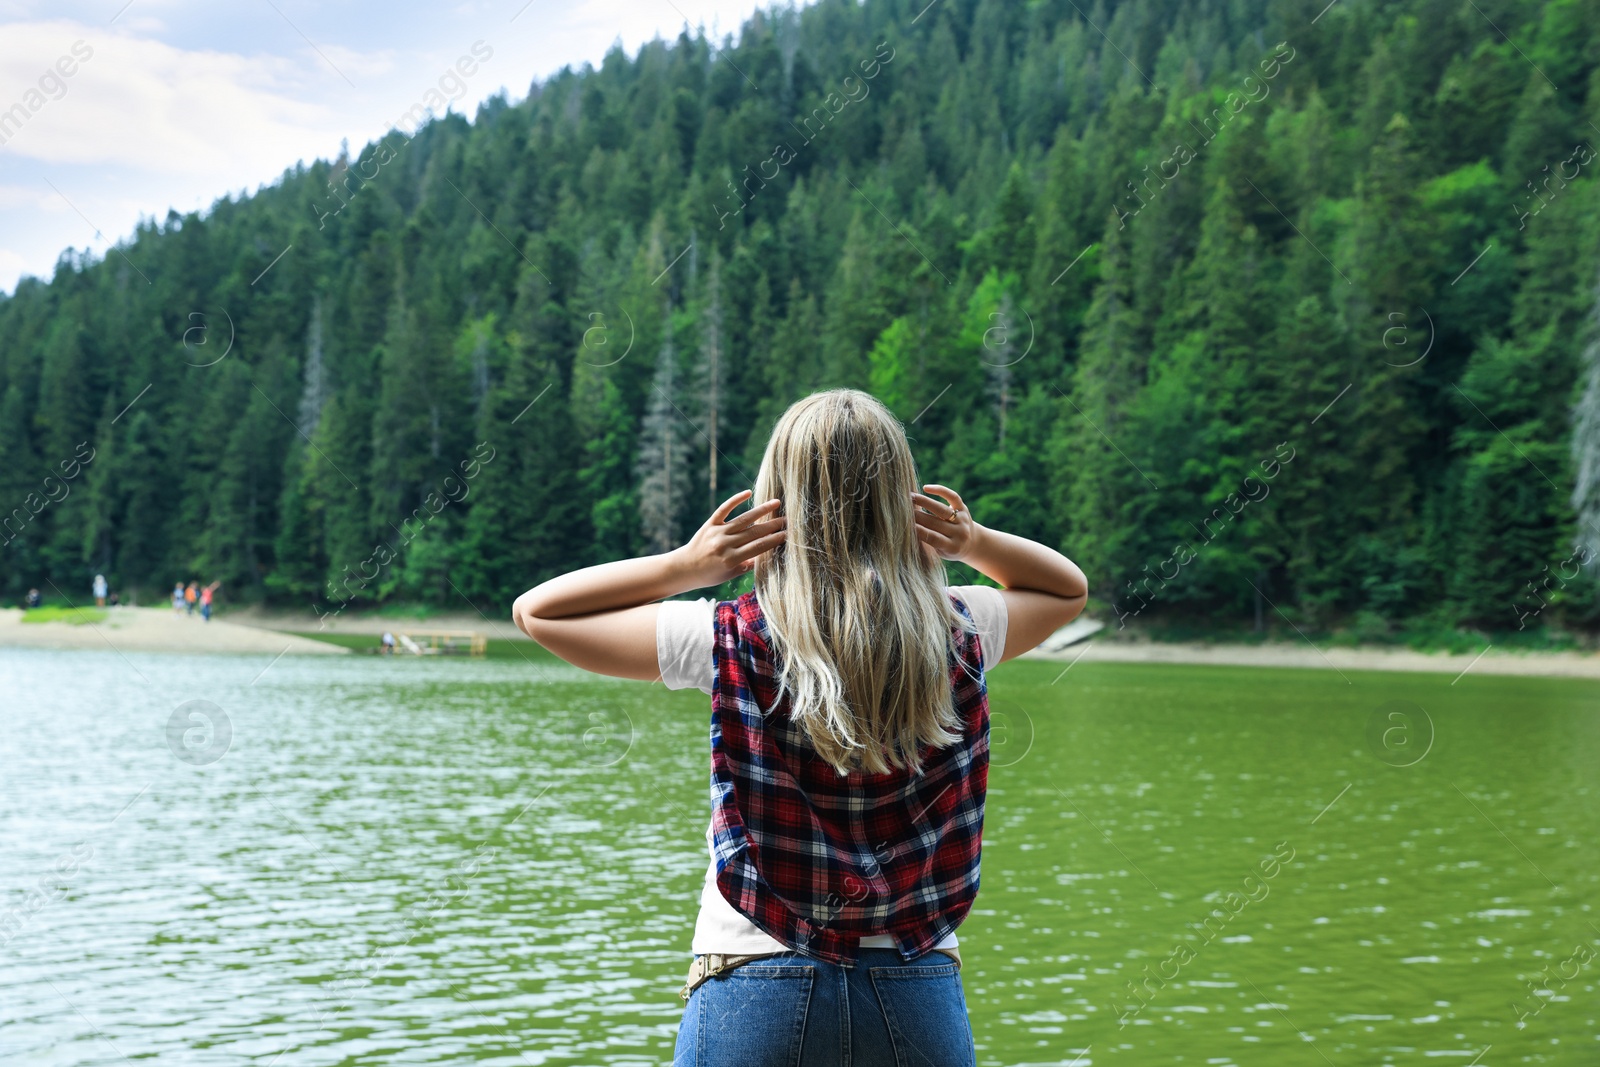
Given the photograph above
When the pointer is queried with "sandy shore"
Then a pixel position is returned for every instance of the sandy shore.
(129, 629)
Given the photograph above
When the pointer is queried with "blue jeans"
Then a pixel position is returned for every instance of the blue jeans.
(793, 1011)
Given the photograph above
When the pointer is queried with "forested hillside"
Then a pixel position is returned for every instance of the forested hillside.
(1249, 307)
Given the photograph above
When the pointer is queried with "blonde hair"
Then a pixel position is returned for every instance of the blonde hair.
(856, 606)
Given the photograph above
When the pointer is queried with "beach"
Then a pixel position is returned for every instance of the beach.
(131, 629)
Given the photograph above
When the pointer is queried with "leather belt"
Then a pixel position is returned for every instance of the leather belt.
(716, 964)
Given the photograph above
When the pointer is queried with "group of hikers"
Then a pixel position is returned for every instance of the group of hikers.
(185, 598)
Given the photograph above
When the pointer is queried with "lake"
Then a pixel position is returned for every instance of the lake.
(372, 861)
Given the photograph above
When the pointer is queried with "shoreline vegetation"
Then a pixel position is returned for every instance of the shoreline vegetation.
(617, 281)
(260, 630)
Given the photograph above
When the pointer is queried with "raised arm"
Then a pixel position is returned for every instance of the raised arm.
(603, 618)
(1043, 589)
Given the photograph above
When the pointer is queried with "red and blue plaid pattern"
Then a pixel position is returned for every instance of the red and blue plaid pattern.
(817, 859)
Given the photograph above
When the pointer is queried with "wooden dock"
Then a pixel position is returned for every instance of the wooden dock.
(441, 642)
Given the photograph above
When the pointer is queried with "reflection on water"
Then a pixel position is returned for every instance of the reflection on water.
(364, 861)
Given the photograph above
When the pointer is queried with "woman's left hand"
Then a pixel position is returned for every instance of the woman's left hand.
(724, 549)
(945, 527)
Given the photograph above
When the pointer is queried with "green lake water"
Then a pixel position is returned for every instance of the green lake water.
(372, 861)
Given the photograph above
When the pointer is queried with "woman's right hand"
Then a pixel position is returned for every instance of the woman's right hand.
(948, 529)
(725, 548)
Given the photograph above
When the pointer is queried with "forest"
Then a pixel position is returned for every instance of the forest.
(1270, 313)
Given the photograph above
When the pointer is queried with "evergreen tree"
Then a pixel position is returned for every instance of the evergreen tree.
(663, 462)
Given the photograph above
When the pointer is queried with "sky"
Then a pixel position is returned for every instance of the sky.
(112, 111)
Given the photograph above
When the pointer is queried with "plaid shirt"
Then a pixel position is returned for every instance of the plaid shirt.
(817, 859)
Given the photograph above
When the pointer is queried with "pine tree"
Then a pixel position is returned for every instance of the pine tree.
(1586, 444)
(520, 505)
(662, 466)
(709, 373)
(19, 537)
(1093, 478)
(314, 392)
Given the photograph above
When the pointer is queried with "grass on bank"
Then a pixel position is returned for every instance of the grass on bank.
(73, 616)
(1363, 630)
(498, 647)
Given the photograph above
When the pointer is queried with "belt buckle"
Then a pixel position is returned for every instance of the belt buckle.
(714, 965)
(704, 968)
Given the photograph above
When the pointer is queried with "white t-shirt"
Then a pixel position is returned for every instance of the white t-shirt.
(684, 639)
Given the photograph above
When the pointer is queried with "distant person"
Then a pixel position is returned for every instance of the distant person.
(388, 643)
(177, 599)
(99, 590)
(847, 698)
(115, 599)
(34, 599)
(191, 596)
(205, 600)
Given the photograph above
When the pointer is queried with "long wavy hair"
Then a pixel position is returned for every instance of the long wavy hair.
(855, 604)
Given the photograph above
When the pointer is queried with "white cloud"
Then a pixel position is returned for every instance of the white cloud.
(359, 66)
(29, 196)
(136, 102)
